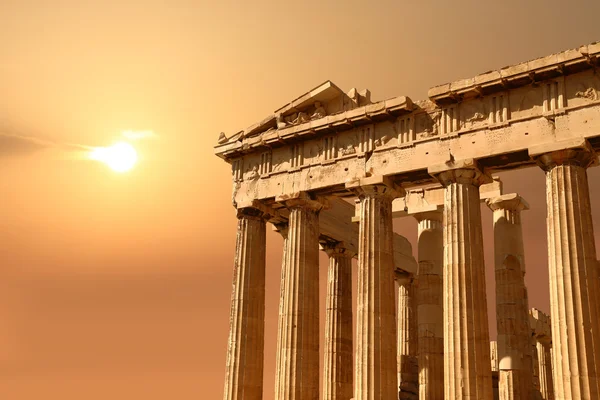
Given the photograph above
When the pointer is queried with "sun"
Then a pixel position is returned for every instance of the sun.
(120, 157)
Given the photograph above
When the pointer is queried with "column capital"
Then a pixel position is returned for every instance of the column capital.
(251, 213)
(256, 209)
(337, 249)
(403, 277)
(437, 215)
(375, 186)
(544, 339)
(282, 228)
(512, 202)
(566, 152)
(465, 171)
(302, 200)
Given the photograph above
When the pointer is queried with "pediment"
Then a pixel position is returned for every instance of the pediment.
(325, 99)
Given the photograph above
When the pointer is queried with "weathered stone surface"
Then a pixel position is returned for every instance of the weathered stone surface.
(298, 368)
(327, 144)
(338, 223)
(408, 368)
(542, 339)
(397, 137)
(431, 198)
(573, 273)
(430, 308)
(467, 369)
(244, 376)
(376, 347)
(494, 355)
(512, 308)
(338, 360)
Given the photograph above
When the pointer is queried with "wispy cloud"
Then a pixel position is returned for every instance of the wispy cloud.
(12, 144)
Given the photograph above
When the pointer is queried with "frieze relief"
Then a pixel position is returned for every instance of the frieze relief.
(582, 89)
(427, 124)
(347, 142)
(526, 101)
(347, 150)
(422, 123)
(300, 117)
(474, 113)
(280, 160)
(252, 174)
(382, 141)
(385, 134)
(312, 152)
(590, 94)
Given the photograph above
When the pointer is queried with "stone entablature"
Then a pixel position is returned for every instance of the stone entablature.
(542, 101)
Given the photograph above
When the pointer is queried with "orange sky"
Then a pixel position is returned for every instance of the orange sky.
(117, 286)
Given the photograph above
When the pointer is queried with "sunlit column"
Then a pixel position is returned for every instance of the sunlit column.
(430, 309)
(408, 371)
(573, 272)
(467, 369)
(298, 347)
(244, 376)
(376, 375)
(282, 228)
(337, 366)
(512, 308)
(546, 382)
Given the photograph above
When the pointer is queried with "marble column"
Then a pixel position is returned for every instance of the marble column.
(467, 367)
(494, 355)
(244, 376)
(573, 273)
(282, 229)
(430, 308)
(546, 383)
(512, 308)
(535, 370)
(494, 359)
(375, 374)
(337, 366)
(408, 369)
(298, 348)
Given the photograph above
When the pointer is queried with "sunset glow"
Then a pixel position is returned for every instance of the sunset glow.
(120, 157)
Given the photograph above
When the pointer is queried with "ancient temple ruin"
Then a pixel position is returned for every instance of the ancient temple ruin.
(330, 171)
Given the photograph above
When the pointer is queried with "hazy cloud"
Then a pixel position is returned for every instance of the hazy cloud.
(22, 145)
(14, 145)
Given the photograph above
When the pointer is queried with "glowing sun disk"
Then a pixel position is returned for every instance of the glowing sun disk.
(120, 157)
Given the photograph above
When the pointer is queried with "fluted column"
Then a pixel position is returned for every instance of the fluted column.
(494, 359)
(282, 228)
(337, 366)
(512, 308)
(546, 383)
(376, 375)
(298, 347)
(467, 369)
(408, 370)
(535, 371)
(430, 308)
(244, 376)
(573, 274)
